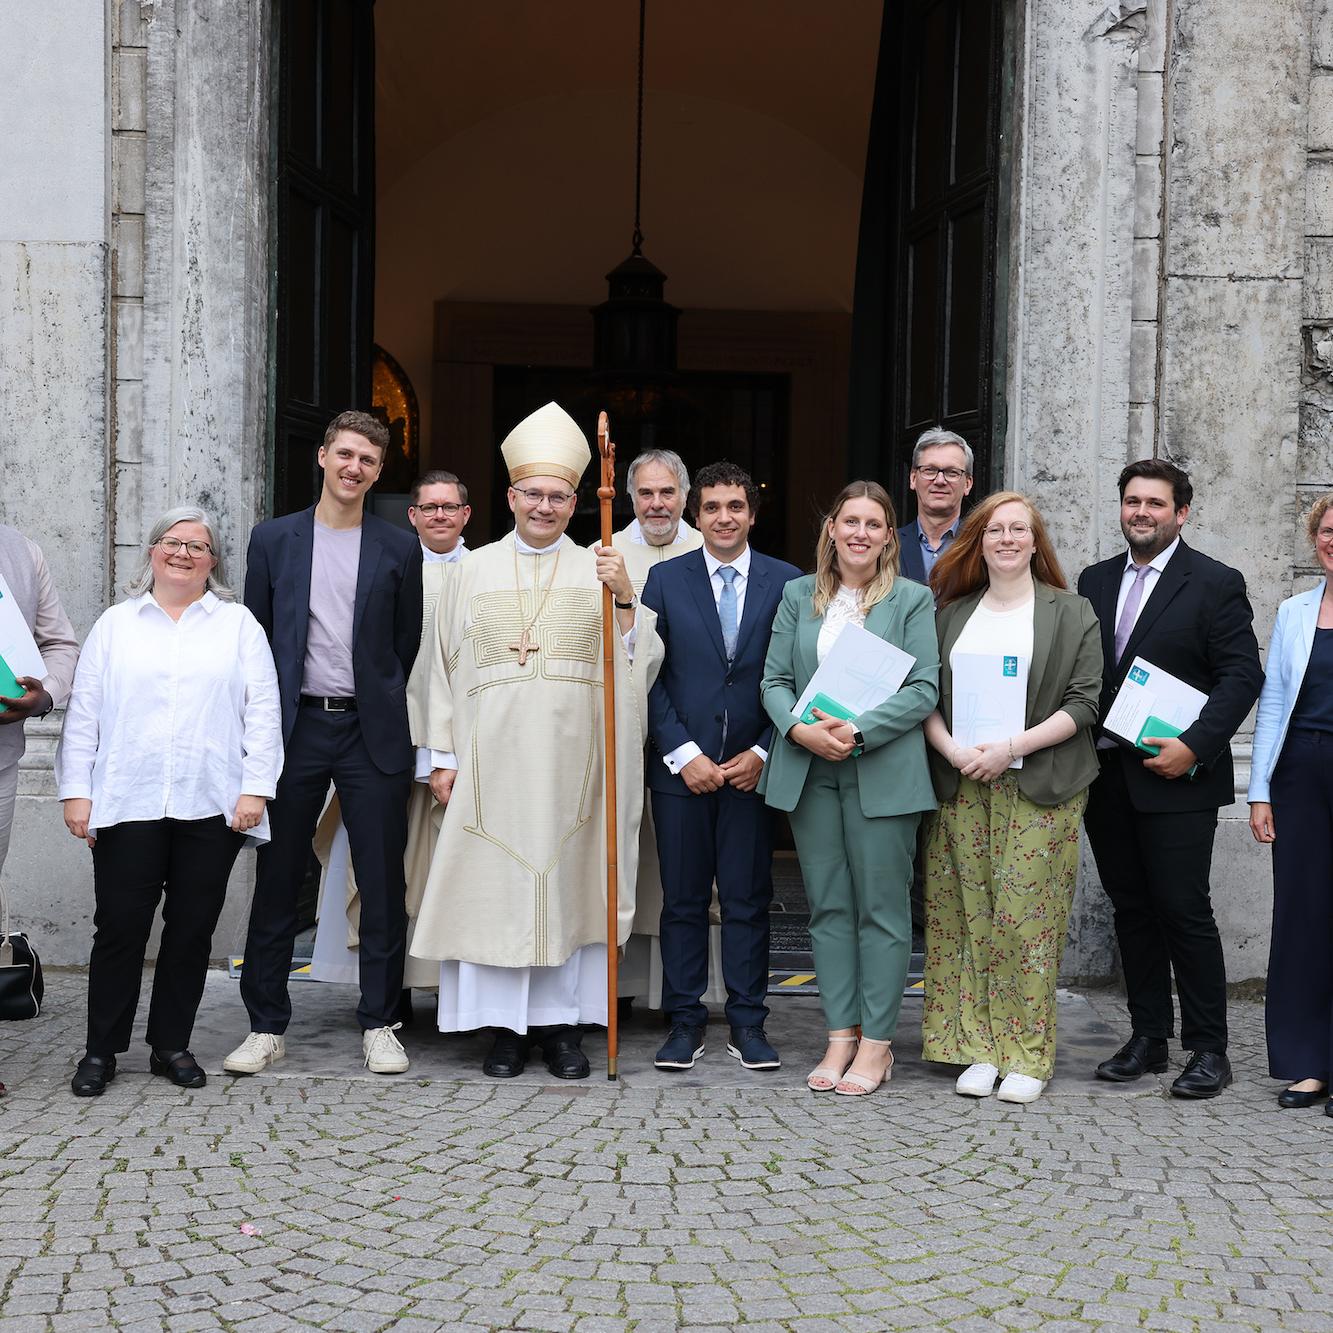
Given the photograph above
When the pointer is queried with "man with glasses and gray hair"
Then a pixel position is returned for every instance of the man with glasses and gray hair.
(941, 478)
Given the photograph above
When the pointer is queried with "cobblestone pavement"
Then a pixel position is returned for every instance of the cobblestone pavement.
(425, 1203)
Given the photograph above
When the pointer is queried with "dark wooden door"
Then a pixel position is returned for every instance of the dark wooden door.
(926, 277)
(325, 231)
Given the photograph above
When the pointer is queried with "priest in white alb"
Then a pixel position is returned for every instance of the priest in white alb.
(507, 696)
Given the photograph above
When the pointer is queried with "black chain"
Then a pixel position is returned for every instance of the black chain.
(638, 145)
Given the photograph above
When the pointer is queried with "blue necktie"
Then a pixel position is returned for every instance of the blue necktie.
(726, 609)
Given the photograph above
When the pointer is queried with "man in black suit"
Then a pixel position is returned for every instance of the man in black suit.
(709, 737)
(1151, 819)
(338, 592)
(941, 479)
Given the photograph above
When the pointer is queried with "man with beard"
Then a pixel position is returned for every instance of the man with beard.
(1151, 818)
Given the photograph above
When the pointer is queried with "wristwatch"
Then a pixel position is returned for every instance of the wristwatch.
(625, 606)
(858, 740)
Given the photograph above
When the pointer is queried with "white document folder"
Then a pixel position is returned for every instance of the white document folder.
(990, 698)
(1148, 691)
(860, 671)
(17, 646)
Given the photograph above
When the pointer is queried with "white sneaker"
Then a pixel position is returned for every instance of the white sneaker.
(255, 1053)
(977, 1081)
(383, 1051)
(1020, 1088)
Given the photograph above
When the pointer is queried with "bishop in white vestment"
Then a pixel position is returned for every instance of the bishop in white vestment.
(507, 696)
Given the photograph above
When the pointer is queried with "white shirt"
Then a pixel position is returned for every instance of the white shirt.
(997, 633)
(172, 719)
(843, 610)
(683, 754)
(635, 533)
(1155, 567)
(429, 557)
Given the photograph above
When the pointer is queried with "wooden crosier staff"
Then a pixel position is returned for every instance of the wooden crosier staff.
(606, 492)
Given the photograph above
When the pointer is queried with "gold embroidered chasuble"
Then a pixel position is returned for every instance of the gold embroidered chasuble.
(518, 874)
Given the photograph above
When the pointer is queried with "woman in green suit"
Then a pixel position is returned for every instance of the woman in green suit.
(1002, 854)
(854, 791)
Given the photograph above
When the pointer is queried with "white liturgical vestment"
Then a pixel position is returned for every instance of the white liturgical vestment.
(514, 902)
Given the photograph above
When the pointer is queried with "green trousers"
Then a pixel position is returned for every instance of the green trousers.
(1000, 874)
(858, 876)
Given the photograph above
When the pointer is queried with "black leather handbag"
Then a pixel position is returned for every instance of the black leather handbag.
(21, 986)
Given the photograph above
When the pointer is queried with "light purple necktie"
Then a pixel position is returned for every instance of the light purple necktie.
(1131, 612)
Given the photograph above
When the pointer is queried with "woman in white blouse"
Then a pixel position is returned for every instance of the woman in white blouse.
(171, 750)
(1002, 854)
(854, 790)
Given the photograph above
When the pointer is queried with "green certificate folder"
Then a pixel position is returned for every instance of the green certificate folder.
(9, 686)
(1154, 726)
(832, 708)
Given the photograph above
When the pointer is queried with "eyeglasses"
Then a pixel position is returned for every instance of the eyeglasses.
(950, 474)
(171, 545)
(1325, 534)
(534, 498)
(429, 510)
(997, 530)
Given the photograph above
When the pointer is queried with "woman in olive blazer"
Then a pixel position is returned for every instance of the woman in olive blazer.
(854, 791)
(1002, 855)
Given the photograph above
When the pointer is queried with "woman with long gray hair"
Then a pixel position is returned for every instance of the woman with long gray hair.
(171, 750)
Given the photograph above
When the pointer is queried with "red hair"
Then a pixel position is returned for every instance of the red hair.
(961, 568)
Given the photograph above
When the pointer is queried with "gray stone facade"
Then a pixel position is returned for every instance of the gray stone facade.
(1169, 289)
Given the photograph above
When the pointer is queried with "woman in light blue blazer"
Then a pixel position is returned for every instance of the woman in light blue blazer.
(1291, 789)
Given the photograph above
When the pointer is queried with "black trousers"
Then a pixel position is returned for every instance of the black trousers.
(1299, 1008)
(323, 748)
(727, 835)
(134, 866)
(1154, 868)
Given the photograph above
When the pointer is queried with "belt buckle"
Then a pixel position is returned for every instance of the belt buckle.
(330, 706)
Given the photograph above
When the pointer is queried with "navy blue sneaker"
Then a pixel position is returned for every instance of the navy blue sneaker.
(750, 1046)
(682, 1048)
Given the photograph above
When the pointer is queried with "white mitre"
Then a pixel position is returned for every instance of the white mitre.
(548, 443)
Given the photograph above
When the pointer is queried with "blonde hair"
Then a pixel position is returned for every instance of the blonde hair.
(1315, 517)
(826, 552)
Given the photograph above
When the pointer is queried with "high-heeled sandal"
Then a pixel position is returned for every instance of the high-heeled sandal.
(829, 1077)
(861, 1086)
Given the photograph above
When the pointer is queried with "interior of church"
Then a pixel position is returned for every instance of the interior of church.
(766, 231)
(505, 166)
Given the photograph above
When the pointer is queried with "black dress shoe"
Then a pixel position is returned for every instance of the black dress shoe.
(509, 1055)
(179, 1066)
(1289, 1098)
(1206, 1074)
(92, 1075)
(1138, 1056)
(562, 1049)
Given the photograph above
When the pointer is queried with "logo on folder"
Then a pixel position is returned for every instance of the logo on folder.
(1138, 675)
(1011, 666)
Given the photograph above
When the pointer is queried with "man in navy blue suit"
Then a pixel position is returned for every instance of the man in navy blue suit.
(338, 592)
(708, 741)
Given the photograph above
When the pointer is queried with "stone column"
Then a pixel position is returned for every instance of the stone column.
(1235, 213)
(53, 382)
(1072, 264)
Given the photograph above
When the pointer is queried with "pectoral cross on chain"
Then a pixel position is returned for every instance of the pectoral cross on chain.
(526, 644)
